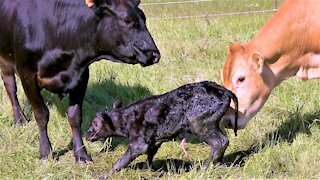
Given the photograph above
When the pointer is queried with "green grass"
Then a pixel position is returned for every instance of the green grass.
(282, 141)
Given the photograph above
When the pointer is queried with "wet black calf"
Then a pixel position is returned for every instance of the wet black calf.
(193, 108)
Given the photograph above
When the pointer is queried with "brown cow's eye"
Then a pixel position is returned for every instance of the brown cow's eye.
(241, 79)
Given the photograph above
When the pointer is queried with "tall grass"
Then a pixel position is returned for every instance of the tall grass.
(282, 141)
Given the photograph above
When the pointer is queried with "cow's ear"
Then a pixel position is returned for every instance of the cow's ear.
(258, 61)
(136, 2)
(236, 47)
(97, 124)
(101, 5)
(117, 104)
(108, 121)
(90, 3)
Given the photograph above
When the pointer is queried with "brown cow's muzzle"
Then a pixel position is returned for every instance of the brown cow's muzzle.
(228, 120)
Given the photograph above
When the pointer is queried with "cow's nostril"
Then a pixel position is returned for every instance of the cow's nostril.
(227, 123)
(155, 57)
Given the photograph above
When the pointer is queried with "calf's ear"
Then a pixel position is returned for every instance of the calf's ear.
(97, 124)
(117, 104)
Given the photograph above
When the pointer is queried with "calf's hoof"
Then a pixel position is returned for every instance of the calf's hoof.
(104, 176)
(83, 158)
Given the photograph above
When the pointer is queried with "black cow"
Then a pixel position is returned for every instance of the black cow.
(51, 43)
(193, 108)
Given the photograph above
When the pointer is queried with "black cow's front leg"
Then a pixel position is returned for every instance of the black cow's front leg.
(41, 112)
(75, 118)
(7, 74)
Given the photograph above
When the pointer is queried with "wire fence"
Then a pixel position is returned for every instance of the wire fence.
(174, 2)
(185, 9)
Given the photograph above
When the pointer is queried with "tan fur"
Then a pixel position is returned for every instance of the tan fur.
(90, 3)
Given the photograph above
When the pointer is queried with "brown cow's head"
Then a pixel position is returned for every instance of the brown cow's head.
(122, 34)
(249, 77)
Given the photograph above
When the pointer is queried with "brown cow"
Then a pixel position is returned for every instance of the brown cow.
(288, 45)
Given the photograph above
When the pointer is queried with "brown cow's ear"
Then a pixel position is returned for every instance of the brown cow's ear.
(236, 47)
(258, 61)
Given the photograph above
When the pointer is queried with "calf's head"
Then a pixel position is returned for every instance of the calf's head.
(102, 125)
(100, 129)
(249, 77)
(122, 34)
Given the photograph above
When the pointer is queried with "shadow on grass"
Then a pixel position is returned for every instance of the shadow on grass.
(295, 123)
(167, 165)
(60, 152)
(98, 96)
(116, 141)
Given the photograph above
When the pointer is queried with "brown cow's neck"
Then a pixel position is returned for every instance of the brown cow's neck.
(272, 40)
(285, 41)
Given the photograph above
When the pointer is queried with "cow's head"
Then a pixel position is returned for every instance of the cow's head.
(102, 125)
(250, 78)
(100, 129)
(122, 34)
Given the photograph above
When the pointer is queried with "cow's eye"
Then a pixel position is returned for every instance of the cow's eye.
(127, 22)
(241, 79)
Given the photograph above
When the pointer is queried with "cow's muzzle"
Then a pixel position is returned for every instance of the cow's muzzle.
(152, 58)
(146, 57)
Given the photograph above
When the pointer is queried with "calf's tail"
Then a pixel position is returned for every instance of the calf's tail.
(235, 100)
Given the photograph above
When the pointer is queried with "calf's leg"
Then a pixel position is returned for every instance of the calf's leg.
(75, 118)
(207, 129)
(152, 150)
(7, 74)
(218, 143)
(135, 149)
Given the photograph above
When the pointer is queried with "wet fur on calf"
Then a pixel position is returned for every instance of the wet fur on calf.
(193, 108)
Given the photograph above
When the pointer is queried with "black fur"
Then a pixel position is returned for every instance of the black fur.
(51, 43)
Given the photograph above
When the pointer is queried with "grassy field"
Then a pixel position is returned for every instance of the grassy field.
(282, 141)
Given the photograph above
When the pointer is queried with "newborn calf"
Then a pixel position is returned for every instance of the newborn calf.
(193, 108)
